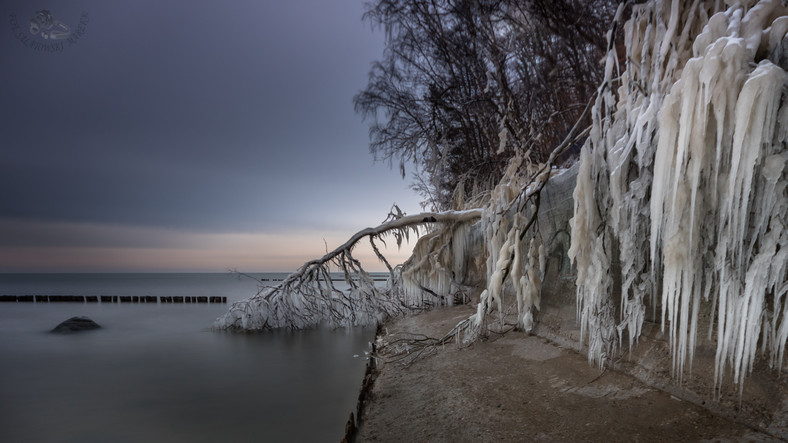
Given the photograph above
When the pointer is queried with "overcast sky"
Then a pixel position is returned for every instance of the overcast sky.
(186, 135)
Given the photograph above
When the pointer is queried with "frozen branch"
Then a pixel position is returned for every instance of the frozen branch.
(308, 297)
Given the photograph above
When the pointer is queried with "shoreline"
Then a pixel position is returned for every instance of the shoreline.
(355, 422)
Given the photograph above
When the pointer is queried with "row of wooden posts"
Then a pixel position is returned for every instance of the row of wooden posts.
(111, 299)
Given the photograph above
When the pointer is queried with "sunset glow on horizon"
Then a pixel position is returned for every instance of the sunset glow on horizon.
(98, 248)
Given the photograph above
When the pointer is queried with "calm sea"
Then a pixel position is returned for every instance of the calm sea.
(156, 372)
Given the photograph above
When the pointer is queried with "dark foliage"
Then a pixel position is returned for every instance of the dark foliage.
(463, 85)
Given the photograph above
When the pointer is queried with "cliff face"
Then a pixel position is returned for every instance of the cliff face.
(683, 184)
(764, 392)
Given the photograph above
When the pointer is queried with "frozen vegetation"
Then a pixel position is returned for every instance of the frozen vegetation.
(309, 298)
(681, 179)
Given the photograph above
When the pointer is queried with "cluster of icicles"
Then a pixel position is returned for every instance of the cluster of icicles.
(684, 173)
(443, 257)
(511, 255)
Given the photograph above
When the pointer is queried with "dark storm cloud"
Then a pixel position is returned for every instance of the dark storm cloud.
(214, 116)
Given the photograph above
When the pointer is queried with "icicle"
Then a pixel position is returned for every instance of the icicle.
(503, 136)
(701, 114)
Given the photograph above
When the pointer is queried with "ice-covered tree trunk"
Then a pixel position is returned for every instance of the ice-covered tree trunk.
(684, 169)
(308, 297)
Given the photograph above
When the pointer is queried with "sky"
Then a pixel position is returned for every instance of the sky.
(193, 136)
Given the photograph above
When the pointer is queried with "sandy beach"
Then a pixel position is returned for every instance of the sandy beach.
(519, 387)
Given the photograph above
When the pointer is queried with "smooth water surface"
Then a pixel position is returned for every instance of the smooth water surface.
(156, 372)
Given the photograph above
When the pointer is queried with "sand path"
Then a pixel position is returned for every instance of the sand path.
(516, 387)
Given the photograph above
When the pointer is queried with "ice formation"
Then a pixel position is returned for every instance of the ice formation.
(435, 273)
(308, 298)
(515, 253)
(683, 179)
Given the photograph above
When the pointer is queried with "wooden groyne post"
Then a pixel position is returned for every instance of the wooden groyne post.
(151, 299)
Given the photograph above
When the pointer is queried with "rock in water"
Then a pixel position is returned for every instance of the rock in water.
(75, 324)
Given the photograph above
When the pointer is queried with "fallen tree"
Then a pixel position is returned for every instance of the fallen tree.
(308, 297)
(514, 255)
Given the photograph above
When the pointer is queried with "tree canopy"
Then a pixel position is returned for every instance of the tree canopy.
(465, 85)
